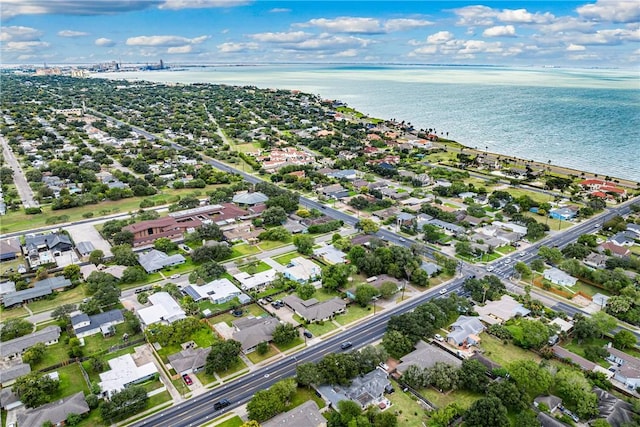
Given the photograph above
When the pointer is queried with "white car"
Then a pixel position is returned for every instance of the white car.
(507, 261)
(490, 267)
(438, 337)
(174, 276)
(443, 291)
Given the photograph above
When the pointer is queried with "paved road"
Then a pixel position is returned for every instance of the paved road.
(22, 186)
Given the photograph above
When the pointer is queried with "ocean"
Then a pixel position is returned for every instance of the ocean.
(583, 119)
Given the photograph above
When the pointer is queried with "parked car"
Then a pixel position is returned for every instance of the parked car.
(345, 345)
(269, 299)
(307, 334)
(438, 337)
(187, 379)
(174, 276)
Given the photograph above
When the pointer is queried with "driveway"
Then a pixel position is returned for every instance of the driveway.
(87, 233)
(22, 186)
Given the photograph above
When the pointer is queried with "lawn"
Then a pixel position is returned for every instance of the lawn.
(410, 413)
(71, 382)
(538, 197)
(11, 264)
(203, 337)
(180, 386)
(303, 395)
(74, 295)
(188, 266)
(284, 347)
(218, 308)
(502, 353)
(234, 369)
(242, 250)
(55, 354)
(554, 224)
(574, 347)
(256, 357)
(463, 398)
(157, 399)
(253, 310)
(323, 295)
(286, 258)
(588, 289)
(150, 278)
(267, 245)
(97, 343)
(354, 312)
(317, 329)
(504, 250)
(251, 147)
(257, 268)
(12, 313)
(231, 422)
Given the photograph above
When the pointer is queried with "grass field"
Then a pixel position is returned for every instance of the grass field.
(97, 343)
(410, 413)
(12, 313)
(284, 347)
(242, 250)
(554, 224)
(463, 398)
(255, 357)
(253, 309)
(538, 197)
(231, 422)
(267, 245)
(286, 258)
(71, 382)
(502, 353)
(302, 395)
(251, 147)
(354, 312)
(317, 329)
(74, 295)
(259, 268)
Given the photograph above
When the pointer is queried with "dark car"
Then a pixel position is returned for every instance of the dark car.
(346, 345)
(307, 334)
(221, 404)
(269, 299)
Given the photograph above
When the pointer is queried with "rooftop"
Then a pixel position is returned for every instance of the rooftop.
(124, 371)
(305, 415)
(501, 310)
(55, 412)
(164, 308)
(425, 356)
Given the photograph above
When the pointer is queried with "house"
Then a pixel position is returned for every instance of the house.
(164, 309)
(596, 260)
(624, 238)
(312, 310)
(365, 390)
(249, 199)
(15, 347)
(551, 402)
(615, 250)
(431, 268)
(84, 326)
(464, 331)
(38, 289)
(546, 420)
(217, 291)
(294, 227)
(453, 228)
(564, 354)
(55, 242)
(9, 249)
(426, 356)
(510, 226)
(55, 412)
(634, 228)
(252, 331)
(564, 214)
(189, 360)
(498, 312)
(7, 287)
(124, 372)
(559, 277)
(147, 232)
(301, 270)
(348, 174)
(628, 371)
(155, 260)
(256, 281)
(614, 410)
(305, 415)
(330, 254)
(15, 370)
(85, 248)
(334, 191)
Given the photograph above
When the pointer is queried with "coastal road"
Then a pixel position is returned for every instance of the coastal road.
(22, 186)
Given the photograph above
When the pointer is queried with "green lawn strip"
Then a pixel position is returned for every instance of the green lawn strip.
(149, 279)
(12, 313)
(635, 249)
(97, 343)
(255, 357)
(180, 268)
(317, 329)
(538, 197)
(236, 421)
(554, 224)
(180, 386)
(74, 295)
(409, 412)
(505, 249)
(588, 289)
(286, 258)
(242, 250)
(93, 419)
(579, 348)
(55, 354)
(504, 354)
(219, 308)
(354, 312)
(203, 337)
(149, 386)
(303, 395)
(121, 352)
(463, 398)
(267, 245)
(158, 399)
(71, 382)
(259, 268)
(284, 347)
(206, 379)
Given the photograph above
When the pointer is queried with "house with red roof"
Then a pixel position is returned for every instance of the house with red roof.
(616, 250)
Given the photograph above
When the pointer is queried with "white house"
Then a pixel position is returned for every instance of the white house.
(255, 281)
(218, 291)
(302, 270)
(559, 277)
(124, 372)
(84, 325)
(164, 309)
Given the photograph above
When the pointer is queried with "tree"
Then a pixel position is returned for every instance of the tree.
(304, 243)
(106, 296)
(251, 423)
(370, 357)
(336, 276)
(124, 237)
(576, 251)
(584, 328)
(511, 396)
(523, 269)
(34, 354)
(305, 290)
(590, 240)
(487, 411)
(368, 226)
(443, 376)
(388, 289)
(165, 244)
(207, 272)
(396, 343)
(364, 294)
(443, 417)
(308, 374)
(123, 255)
(215, 252)
(534, 379)
(349, 410)
(575, 391)
(35, 389)
(604, 322)
(473, 376)
(624, 339)
(274, 216)
(96, 257)
(464, 249)
(71, 272)
(74, 349)
(385, 419)
(284, 334)
(222, 356)
(535, 334)
(210, 232)
(551, 255)
(267, 403)
(133, 274)
(14, 328)
(130, 400)
(537, 265)
(431, 233)
(73, 420)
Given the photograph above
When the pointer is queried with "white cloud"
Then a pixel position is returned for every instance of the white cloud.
(522, 16)
(424, 50)
(475, 15)
(231, 47)
(24, 46)
(567, 24)
(485, 16)
(104, 42)
(180, 49)
(605, 37)
(624, 11)
(72, 33)
(168, 41)
(280, 10)
(500, 31)
(474, 47)
(288, 37)
(405, 24)
(19, 33)
(201, 4)
(347, 24)
(12, 8)
(349, 53)
(575, 47)
(439, 37)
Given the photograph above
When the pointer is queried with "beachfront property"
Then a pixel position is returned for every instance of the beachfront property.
(124, 372)
(13, 348)
(559, 277)
(217, 291)
(164, 309)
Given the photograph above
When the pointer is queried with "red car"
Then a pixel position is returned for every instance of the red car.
(187, 379)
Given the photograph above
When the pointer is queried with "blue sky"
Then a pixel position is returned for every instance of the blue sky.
(600, 33)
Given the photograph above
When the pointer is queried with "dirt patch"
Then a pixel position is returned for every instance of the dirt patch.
(580, 300)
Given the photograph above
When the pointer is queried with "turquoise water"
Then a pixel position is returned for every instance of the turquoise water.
(584, 119)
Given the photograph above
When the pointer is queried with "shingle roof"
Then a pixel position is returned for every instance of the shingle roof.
(41, 288)
(56, 412)
(155, 260)
(250, 198)
(14, 371)
(305, 415)
(18, 345)
(425, 356)
(85, 248)
(260, 331)
(617, 412)
(313, 310)
(189, 359)
(97, 320)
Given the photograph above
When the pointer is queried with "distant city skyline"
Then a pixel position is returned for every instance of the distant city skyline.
(599, 33)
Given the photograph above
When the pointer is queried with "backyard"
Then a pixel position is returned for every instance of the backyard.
(502, 353)
(463, 398)
(410, 413)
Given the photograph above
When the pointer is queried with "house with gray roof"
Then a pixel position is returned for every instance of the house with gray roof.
(13, 371)
(614, 410)
(306, 415)
(312, 310)
(84, 325)
(465, 331)
(15, 347)
(9, 249)
(365, 390)
(551, 402)
(330, 254)
(189, 360)
(501, 310)
(254, 330)
(453, 228)
(559, 277)
(155, 260)
(628, 371)
(58, 242)
(624, 238)
(547, 420)
(85, 248)
(7, 287)
(348, 174)
(38, 290)
(426, 356)
(564, 354)
(431, 268)
(54, 412)
(250, 199)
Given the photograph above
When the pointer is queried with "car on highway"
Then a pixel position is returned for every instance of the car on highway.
(443, 291)
(174, 276)
(187, 379)
(507, 260)
(523, 254)
(345, 345)
(490, 267)
(221, 404)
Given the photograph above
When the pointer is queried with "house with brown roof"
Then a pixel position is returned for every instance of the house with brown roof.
(426, 356)
(616, 250)
(147, 232)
